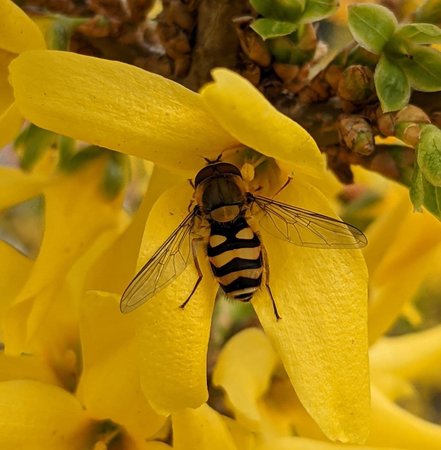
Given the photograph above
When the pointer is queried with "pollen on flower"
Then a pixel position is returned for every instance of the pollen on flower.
(247, 171)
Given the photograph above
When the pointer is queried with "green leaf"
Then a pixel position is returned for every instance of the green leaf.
(115, 174)
(416, 190)
(32, 142)
(270, 29)
(66, 150)
(420, 33)
(423, 69)
(318, 9)
(83, 157)
(423, 193)
(336, 38)
(429, 154)
(432, 198)
(283, 10)
(371, 25)
(391, 84)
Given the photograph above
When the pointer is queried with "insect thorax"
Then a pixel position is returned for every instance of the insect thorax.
(221, 197)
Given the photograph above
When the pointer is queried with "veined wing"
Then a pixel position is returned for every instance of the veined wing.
(307, 228)
(162, 268)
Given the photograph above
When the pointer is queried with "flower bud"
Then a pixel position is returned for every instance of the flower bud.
(357, 134)
(386, 124)
(286, 72)
(356, 84)
(251, 72)
(333, 75)
(411, 113)
(251, 43)
(408, 132)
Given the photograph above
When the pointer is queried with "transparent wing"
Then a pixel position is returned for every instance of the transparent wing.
(162, 268)
(306, 228)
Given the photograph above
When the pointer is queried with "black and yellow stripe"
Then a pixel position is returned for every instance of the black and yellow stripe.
(235, 256)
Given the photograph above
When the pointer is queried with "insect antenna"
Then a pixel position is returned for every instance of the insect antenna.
(214, 161)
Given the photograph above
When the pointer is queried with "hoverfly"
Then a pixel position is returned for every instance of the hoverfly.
(236, 254)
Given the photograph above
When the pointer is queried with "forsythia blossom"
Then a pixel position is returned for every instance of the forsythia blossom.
(77, 374)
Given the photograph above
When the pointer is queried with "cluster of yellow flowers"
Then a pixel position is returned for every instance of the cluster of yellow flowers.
(77, 374)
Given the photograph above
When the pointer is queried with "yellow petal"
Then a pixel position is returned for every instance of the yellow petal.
(395, 427)
(322, 336)
(17, 186)
(399, 236)
(295, 443)
(244, 370)
(109, 387)
(243, 438)
(253, 121)
(403, 246)
(117, 106)
(38, 416)
(15, 269)
(25, 367)
(155, 446)
(173, 341)
(6, 94)
(389, 298)
(201, 429)
(10, 123)
(17, 31)
(417, 236)
(414, 356)
(115, 268)
(76, 213)
(394, 387)
(46, 326)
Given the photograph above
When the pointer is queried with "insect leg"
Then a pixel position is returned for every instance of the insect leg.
(284, 186)
(194, 242)
(266, 265)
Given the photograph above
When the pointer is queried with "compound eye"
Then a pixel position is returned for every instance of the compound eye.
(219, 168)
(203, 174)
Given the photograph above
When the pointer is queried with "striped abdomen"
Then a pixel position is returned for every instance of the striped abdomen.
(235, 256)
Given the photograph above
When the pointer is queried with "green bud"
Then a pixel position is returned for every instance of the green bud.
(429, 154)
(408, 132)
(356, 84)
(297, 48)
(357, 134)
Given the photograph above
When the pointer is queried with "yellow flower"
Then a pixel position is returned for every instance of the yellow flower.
(321, 294)
(54, 395)
(263, 401)
(404, 248)
(108, 409)
(17, 34)
(34, 320)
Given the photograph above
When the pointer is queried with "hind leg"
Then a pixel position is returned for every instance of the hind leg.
(267, 273)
